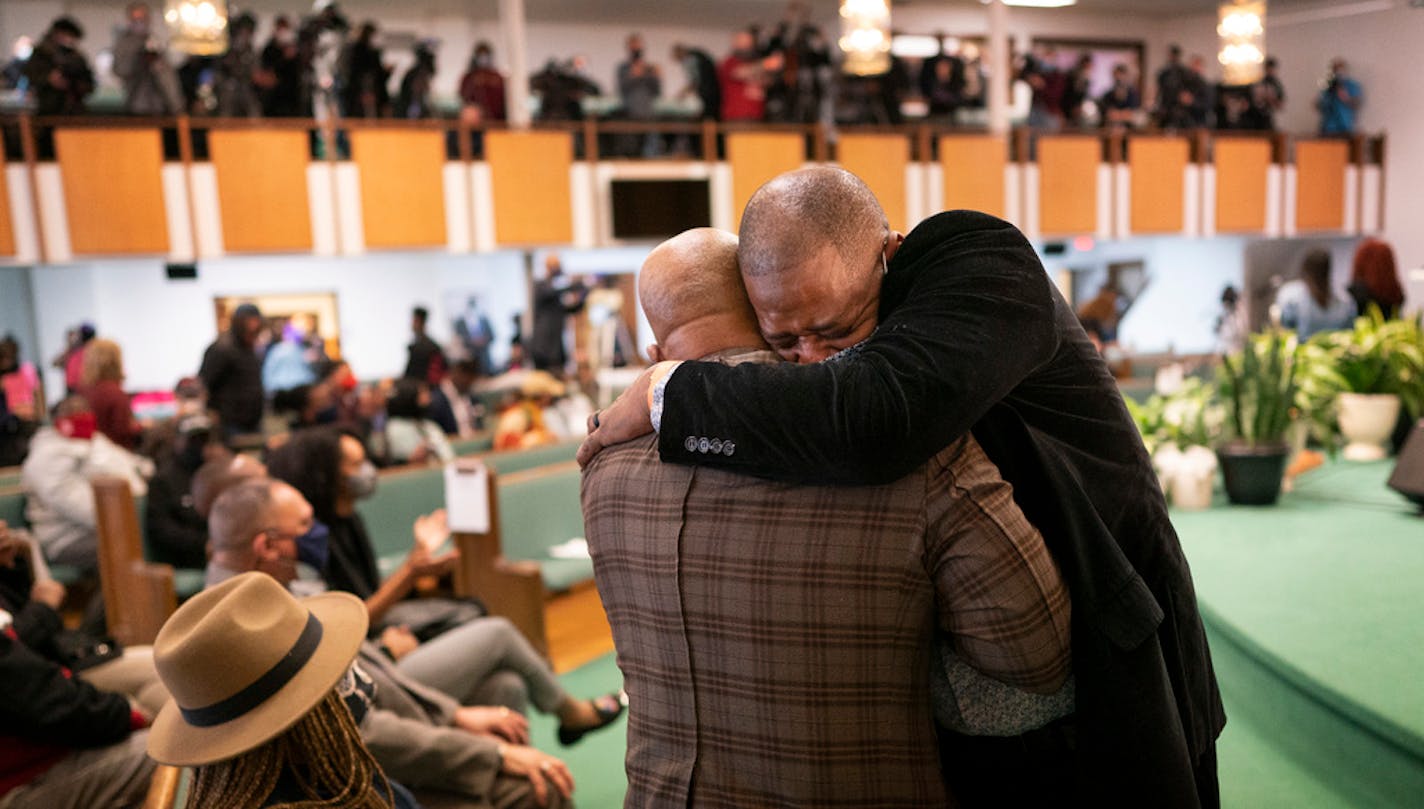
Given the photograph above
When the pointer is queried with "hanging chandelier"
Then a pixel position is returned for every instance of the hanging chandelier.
(197, 27)
(865, 36)
(1242, 30)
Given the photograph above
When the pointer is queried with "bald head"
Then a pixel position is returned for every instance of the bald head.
(797, 215)
(691, 290)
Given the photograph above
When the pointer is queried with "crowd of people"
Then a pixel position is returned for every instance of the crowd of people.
(254, 478)
(322, 66)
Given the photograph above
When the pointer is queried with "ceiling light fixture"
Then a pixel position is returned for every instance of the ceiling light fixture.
(1242, 29)
(1035, 3)
(197, 26)
(865, 36)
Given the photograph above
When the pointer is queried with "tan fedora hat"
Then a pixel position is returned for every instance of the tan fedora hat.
(244, 662)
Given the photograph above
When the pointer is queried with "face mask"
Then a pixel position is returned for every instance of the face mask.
(362, 484)
(328, 415)
(314, 547)
(636, 53)
(483, 60)
(80, 425)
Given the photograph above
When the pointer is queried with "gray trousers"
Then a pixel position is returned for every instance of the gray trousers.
(485, 662)
(114, 777)
(132, 675)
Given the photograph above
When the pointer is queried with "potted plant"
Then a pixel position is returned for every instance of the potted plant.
(1258, 389)
(1177, 429)
(1359, 380)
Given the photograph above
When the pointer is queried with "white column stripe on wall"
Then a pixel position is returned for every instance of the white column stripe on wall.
(1277, 201)
(914, 194)
(1191, 199)
(1105, 201)
(1370, 220)
(321, 202)
(1208, 201)
(349, 225)
(1122, 196)
(934, 188)
(1029, 200)
(1352, 199)
(722, 214)
(177, 213)
(456, 182)
(482, 198)
(1015, 209)
(207, 210)
(22, 214)
(1288, 212)
(584, 199)
(53, 217)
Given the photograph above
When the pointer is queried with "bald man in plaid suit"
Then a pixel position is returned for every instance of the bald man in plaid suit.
(777, 641)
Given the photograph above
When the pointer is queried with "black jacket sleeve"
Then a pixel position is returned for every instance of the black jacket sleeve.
(966, 314)
(43, 703)
(177, 536)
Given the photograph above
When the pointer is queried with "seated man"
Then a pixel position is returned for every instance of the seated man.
(63, 743)
(59, 502)
(423, 738)
(777, 640)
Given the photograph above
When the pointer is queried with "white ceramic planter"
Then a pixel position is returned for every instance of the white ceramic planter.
(1366, 421)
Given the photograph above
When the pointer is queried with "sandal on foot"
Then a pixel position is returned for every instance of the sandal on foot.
(608, 708)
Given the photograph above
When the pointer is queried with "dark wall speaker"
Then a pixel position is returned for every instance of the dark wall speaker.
(181, 272)
(1408, 475)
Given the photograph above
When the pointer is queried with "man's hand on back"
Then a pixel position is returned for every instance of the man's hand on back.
(627, 418)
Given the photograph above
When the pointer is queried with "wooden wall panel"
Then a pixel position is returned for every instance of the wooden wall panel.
(262, 189)
(1241, 167)
(7, 221)
(881, 161)
(402, 186)
(533, 200)
(113, 190)
(1068, 184)
(756, 157)
(974, 168)
(1157, 166)
(1320, 184)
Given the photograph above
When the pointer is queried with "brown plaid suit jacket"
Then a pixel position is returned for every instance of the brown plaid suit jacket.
(776, 640)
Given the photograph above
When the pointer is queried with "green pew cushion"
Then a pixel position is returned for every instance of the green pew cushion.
(539, 510)
(390, 513)
(484, 442)
(67, 575)
(507, 462)
(12, 508)
(187, 582)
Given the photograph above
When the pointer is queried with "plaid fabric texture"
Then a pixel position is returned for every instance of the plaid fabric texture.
(776, 640)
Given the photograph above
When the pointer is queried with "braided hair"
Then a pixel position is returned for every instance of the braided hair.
(322, 755)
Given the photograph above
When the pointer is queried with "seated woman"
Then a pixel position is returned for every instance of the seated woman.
(266, 720)
(476, 660)
(102, 386)
(410, 436)
(522, 424)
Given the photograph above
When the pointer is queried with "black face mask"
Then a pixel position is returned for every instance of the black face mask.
(636, 53)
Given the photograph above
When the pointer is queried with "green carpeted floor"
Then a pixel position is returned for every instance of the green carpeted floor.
(1329, 585)
(1316, 613)
(597, 760)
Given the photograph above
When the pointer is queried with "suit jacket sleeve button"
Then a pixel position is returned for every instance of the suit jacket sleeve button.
(703, 445)
(728, 448)
(690, 444)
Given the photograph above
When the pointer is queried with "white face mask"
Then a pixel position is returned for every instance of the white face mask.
(362, 484)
